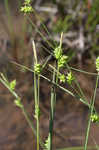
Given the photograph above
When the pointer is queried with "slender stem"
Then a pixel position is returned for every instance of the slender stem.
(25, 113)
(36, 106)
(36, 94)
(38, 134)
(80, 93)
(57, 85)
(53, 102)
(43, 37)
(35, 90)
(28, 120)
(38, 89)
(7, 86)
(82, 71)
(91, 112)
(34, 51)
(43, 25)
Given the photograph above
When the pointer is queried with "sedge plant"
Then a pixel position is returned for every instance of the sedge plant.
(55, 83)
(57, 77)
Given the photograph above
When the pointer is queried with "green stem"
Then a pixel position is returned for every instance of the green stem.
(38, 134)
(80, 93)
(82, 71)
(25, 113)
(43, 25)
(43, 37)
(23, 110)
(57, 85)
(7, 86)
(36, 107)
(53, 102)
(91, 112)
(28, 120)
(35, 90)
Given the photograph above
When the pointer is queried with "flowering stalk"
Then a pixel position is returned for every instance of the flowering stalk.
(37, 71)
(57, 54)
(11, 87)
(92, 117)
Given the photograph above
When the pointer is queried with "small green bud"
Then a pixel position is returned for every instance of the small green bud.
(37, 112)
(58, 52)
(18, 103)
(37, 68)
(26, 9)
(70, 78)
(13, 84)
(47, 142)
(62, 78)
(97, 64)
(62, 61)
(94, 118)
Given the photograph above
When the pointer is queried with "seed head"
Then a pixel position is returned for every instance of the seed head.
(70, 78)
(37, 68)
(62, 61)
(97, 64)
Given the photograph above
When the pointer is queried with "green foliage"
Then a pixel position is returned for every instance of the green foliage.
(93, 17)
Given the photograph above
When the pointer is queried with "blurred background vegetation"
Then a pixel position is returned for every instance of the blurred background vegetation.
(77, 19)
